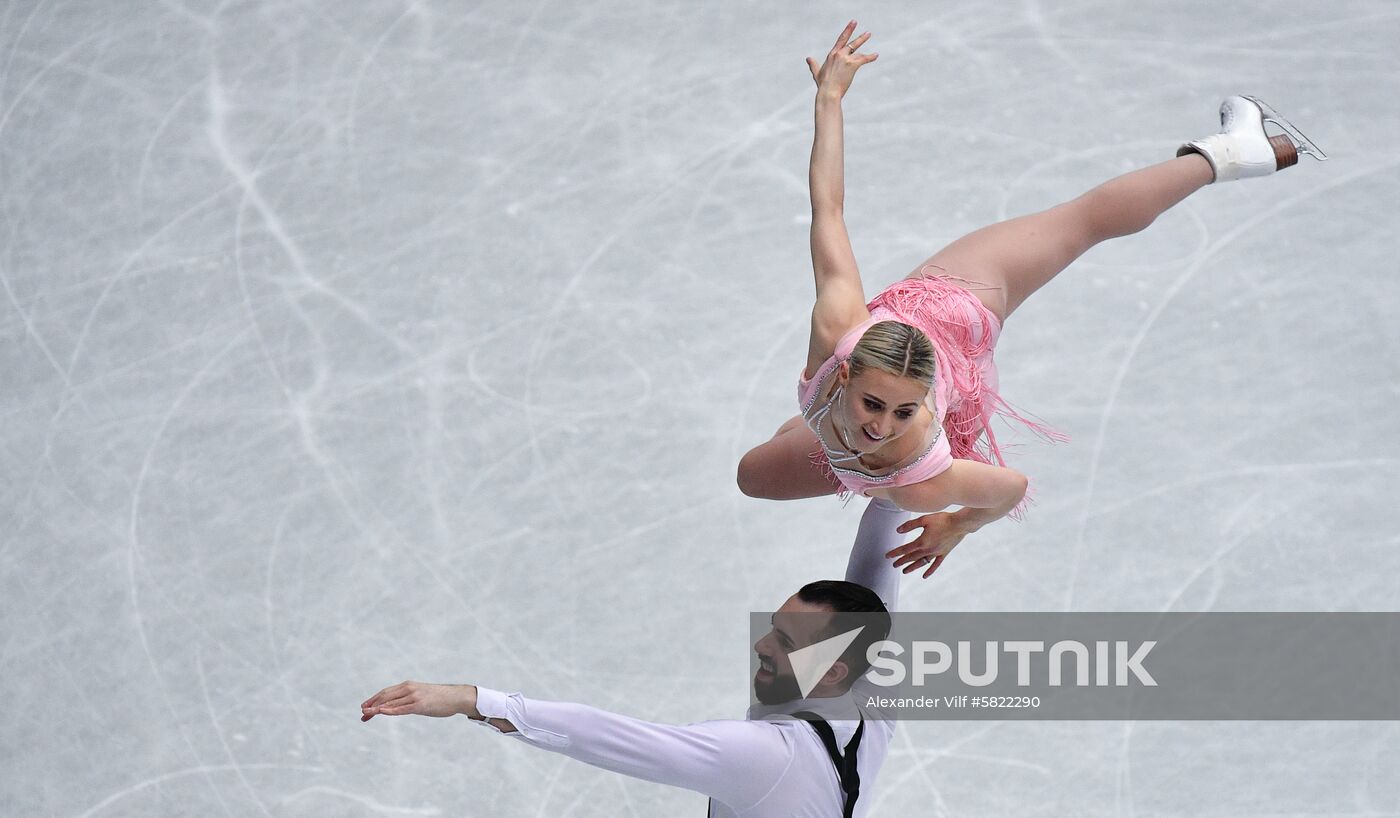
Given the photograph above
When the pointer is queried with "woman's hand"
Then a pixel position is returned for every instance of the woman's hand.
(835, 75)
(942, 531)
(421, 699)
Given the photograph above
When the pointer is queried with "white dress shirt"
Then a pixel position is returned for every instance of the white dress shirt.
(753, 768)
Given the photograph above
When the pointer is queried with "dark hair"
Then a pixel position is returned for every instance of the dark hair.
(854, 605)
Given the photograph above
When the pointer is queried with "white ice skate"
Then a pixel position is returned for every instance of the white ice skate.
(1244, 149)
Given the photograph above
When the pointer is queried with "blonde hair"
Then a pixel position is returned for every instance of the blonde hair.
(896, 348)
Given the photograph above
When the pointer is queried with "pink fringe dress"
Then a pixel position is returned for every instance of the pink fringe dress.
(964, 398)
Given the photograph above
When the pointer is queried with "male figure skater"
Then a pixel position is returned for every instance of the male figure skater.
(818, 766)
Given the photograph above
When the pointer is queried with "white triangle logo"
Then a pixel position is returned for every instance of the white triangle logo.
(811, 663)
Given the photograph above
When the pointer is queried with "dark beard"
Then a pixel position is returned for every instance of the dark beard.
(783, 688)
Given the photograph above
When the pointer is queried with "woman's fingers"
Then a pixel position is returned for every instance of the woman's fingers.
(849, 49)
(916, 544)
(916, 561)
(842, 61)
(938, 559)
(934, 565)
(913, 556)
(902, 550)
(845, 35)
(921, 521)
(913, 551)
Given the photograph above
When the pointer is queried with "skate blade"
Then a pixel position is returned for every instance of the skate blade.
(1305, 145)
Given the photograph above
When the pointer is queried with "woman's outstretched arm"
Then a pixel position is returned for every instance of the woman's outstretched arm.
(840, 301)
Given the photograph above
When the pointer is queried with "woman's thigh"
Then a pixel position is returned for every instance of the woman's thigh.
(1021, 255)
(1003, 263)
(782, 468)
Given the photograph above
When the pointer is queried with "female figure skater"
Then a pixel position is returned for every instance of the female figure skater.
(898, 394)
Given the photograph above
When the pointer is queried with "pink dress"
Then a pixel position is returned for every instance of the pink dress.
(964, 396)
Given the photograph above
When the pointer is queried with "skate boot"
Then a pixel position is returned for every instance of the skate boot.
(1244, 149)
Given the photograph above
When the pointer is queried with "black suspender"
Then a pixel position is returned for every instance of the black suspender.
(847, 769)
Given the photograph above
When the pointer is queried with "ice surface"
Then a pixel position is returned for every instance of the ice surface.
(344, 343)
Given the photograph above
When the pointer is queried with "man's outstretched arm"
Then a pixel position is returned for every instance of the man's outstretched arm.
(734, 762)
(877, 536)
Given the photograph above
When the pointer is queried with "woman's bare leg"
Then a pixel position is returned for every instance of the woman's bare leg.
(781, 469)
(1019, 256)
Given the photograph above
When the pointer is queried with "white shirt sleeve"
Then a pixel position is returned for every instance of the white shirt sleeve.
(734, 762)
(876, 536)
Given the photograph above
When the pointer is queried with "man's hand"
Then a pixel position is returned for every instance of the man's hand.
(421, 699)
